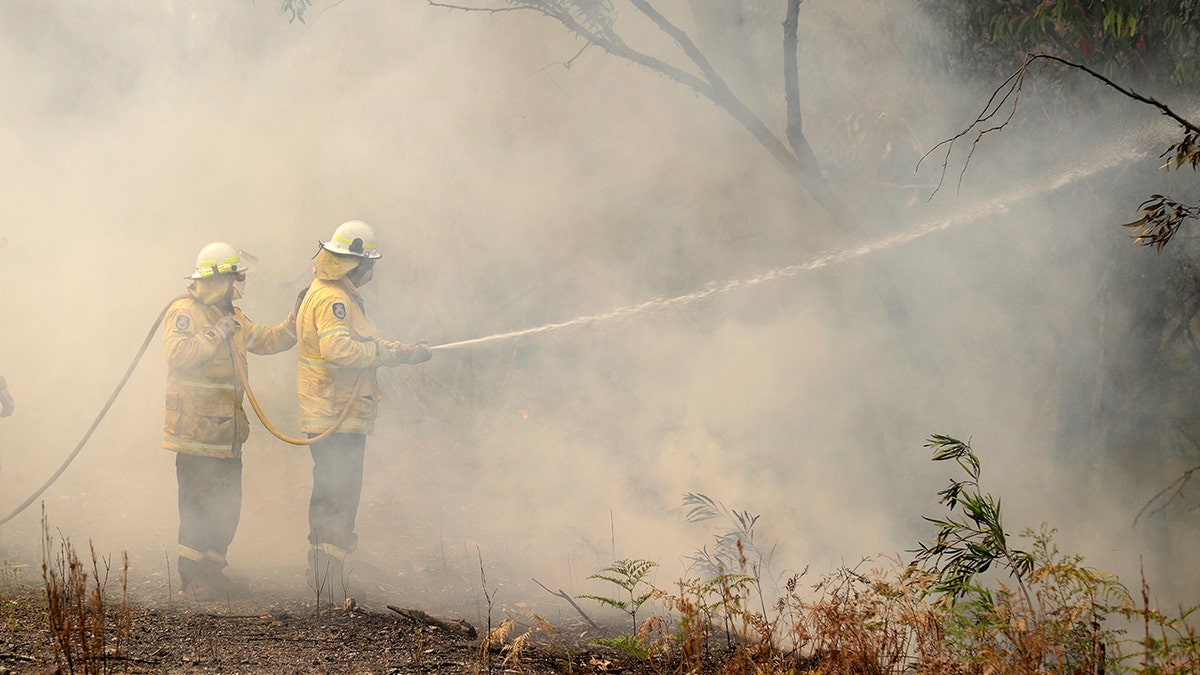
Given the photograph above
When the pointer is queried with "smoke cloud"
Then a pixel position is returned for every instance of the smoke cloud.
(511, 191)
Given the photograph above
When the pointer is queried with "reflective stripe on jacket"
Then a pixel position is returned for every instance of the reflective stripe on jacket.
(337, 344)
(204, 414)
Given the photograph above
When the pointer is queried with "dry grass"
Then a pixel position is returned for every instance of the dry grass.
(887, 617)
(87, 635)
(879, 617)
(971, 603)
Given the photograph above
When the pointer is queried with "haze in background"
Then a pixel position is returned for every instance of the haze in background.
(510, 192)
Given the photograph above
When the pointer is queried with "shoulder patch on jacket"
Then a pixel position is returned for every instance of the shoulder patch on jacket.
(182, 322)
(339, 310)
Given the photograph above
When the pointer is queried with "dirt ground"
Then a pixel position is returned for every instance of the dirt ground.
(275, 627)
(269, 630)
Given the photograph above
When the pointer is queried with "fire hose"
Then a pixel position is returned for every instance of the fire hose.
(262, 417)
(241, 375)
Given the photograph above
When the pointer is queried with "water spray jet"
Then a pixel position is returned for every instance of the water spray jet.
(998, 205)
(995, 206)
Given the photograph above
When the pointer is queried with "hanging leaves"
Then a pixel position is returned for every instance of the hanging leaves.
(1160, 221)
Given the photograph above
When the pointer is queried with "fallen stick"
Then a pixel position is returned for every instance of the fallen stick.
(451, 625)
(563, 594)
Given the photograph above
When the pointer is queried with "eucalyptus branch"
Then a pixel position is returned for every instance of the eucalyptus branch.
(971, 538)
(1161, 219)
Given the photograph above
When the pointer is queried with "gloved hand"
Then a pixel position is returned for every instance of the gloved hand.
(418, 352)
(6, 403)
(385, 353)
(226, 326)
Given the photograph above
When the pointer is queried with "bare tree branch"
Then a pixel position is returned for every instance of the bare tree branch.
(800, 160)
(791, 74)
(1009, 93)
(718, 92)
(1127, 92)
(563, 594)
(1010, 89)
(1167, 494)
(802, 163)
(609, 43)
(488, 10)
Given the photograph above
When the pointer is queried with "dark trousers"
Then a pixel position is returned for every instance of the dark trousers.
(337, 487)
(210, 505)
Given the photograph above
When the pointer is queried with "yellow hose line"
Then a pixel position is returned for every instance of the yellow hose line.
(279, 434)
(125, 379)
(103, 411)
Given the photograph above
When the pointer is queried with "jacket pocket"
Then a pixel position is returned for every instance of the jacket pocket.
(174, 406)
(214, 423)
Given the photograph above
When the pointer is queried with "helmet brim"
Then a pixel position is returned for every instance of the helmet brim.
(370, 255)
(241, 269)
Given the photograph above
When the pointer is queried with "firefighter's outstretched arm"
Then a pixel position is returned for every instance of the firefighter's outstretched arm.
(270, 339)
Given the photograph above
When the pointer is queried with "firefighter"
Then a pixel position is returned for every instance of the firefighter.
(339, 347)
(206, 340)
(6, 400)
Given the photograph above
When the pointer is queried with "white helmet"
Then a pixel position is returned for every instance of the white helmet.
(353, 237)
(218, 258)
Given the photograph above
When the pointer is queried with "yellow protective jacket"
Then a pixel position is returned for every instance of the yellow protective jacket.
(204, 397)
(337, 345)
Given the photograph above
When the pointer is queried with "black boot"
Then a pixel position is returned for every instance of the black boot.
(199, 581)
(230, 587)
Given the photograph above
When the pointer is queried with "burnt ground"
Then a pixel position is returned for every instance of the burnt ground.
(269, 630)
(276, 626)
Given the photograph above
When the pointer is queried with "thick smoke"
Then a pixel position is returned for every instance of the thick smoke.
(511, 191)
